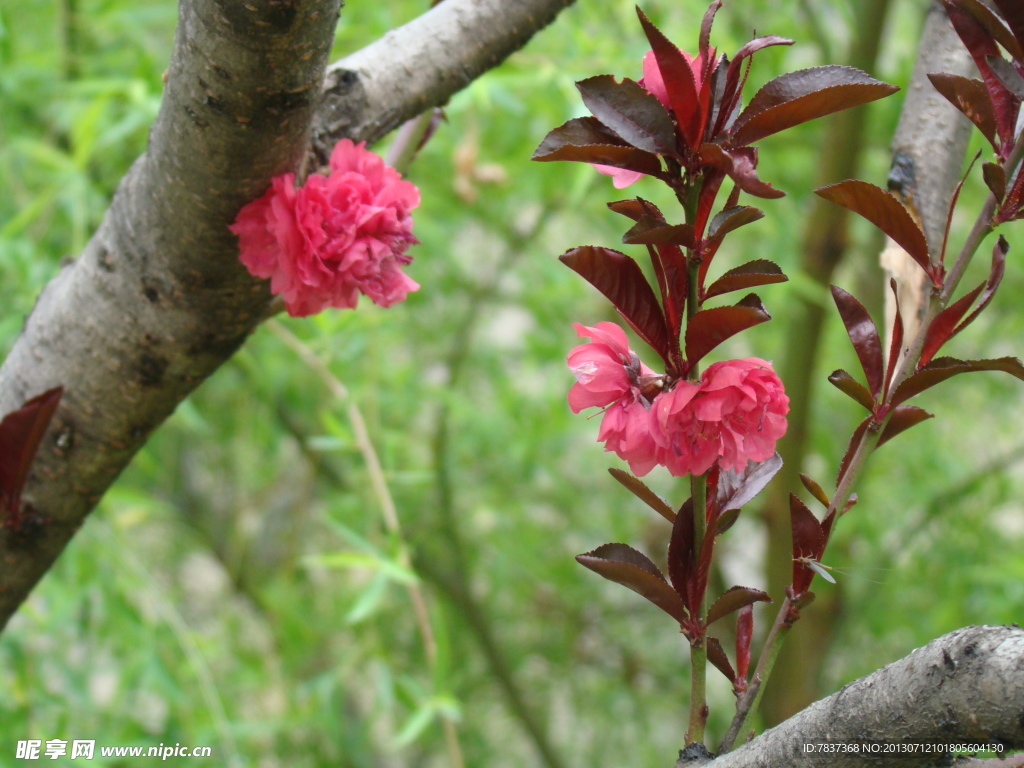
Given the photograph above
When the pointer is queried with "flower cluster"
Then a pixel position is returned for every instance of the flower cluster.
(334, 237)
(734, 415)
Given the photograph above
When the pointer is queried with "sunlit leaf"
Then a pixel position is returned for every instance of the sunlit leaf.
(682, 89)
(631, 112)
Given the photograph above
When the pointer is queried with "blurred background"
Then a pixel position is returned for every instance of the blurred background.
(240, 586)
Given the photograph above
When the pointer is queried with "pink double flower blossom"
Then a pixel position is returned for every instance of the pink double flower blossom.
(734, 415)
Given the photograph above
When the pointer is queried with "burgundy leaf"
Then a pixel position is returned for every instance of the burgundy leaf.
(995, 277)
(739, 165)
(995, 179)
(943, 327)
(636, 209)
(971, 97)
(1013, 13)
(682, 560)
(716, 655)
(710, 327)
(896, 343)
(884, 211)
(994, 26)
(943, 368)
(624, 565)
(705, 26)
(864, 337)
(807, 94)
(737, 488)
(684, 93)
(622, 282)
(578, 132)
(734, 218)
(21, 433)
(814, 489)
(849, 386)
(645, 494)
(851, 449)
(631, 112)
(903, 418)
(808, 542)
(734, 599)
(585, 140)
(726, 520)
(1007, 75)
(649, 231)
(744, 634)
(699, 586)
(746, 276)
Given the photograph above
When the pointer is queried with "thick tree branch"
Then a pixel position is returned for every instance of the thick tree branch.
(158, 299)
(963, 688)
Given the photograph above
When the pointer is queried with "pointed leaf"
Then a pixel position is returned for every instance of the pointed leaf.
(807, 94)
(1007, 75)
(737, 488)
(636, 209)
(943, 326)
(734, 218)
(943, 368)
(622, 282)
(815, 490)
(849, 386)
(716, 655)
(864, 337)
(585, 140)
(682, 89)
(994, 26)
(726, 520)
(808, 542)
(631, 112)
(746, 276)
(970, 97)
(896, 343)
(1013, 12)
(624, 565)
(578, 132)
(903, 418)
(734, 599)
(639, 489)
(650, 231)
(995, 179)
(851, 449)
(995, 277)
(739, 165)
(744, 634)
(884, 211)
(21, 433)
(710, 327)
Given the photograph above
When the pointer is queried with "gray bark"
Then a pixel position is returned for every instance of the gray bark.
(158, 299)
(966, 687)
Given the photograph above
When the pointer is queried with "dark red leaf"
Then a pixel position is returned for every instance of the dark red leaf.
(578, 132)
(737, 488)
(903, 418)
(650, 231)
(896, 343)
(744, 634)
(726, 520)
(585, 140)
(746, 276)
(995, 277)
(682, 560)
(631, 112)
(622, 282)
(1013, 12)
(815, 490)
(734, 218)
(971, 97)
(851, 449)
(807, 94)
(1007, 75)
(864, 337)
(710, 327)
(639, 489)
(683, 91)
(884, 211)
(704, 42)
(849, 386)
(717, 657)
(21, 433)
(995, 179)
(943, 327)
(636, 209)
(624, 565)
(808, 542)
(943, 368)
(734, 599)
(994, 26)
(739, 165)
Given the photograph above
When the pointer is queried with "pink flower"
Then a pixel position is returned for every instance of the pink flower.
(610, 375)
(653, 82)
(335, 237)
(736, 415)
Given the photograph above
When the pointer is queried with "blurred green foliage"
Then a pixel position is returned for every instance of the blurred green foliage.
(237, 587)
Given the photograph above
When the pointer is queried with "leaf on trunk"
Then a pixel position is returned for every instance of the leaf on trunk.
(635, 115)
(864, 337)
(804, 95)
(639, 489)
(884, 211)
(621, 280)
(710, 327)
(733, 599)
(626, 566)
(21, 433)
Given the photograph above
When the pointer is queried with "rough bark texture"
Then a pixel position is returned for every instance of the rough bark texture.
(965, 687)
(158, 299)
